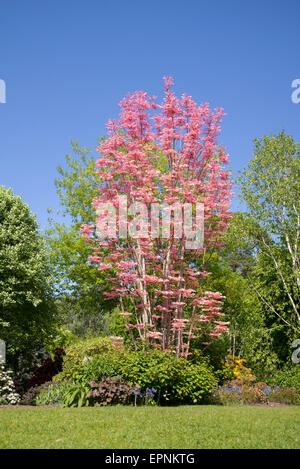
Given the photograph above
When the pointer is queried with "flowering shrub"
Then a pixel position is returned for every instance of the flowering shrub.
(236, 366)
(8, 394)
(244, 390)
(285, 395)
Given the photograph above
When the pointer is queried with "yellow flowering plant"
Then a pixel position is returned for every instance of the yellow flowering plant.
(236, 366)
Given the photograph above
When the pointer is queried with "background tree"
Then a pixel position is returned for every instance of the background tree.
(27, 311)
(79, 285)
(270, 186)
(263, 245)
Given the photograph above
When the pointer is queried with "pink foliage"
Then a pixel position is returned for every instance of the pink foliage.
(164, 153)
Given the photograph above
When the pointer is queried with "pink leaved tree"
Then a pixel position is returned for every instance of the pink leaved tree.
(163, 158)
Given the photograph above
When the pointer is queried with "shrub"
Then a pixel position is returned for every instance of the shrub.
(112, 391)
(176, 380)
(29, 398)
(32, 395)
(80, 351)
(236, 366)
(25, 366)
(287, 377)
(285, 395)
(8, 394)
(50, 368)
(244, 390)
(94, 369)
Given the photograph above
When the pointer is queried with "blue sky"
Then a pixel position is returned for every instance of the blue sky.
(68, 63)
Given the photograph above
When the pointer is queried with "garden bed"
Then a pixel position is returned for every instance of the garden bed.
(27, 406)
(262, 404)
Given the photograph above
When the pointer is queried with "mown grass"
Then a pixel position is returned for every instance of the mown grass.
(185, 427)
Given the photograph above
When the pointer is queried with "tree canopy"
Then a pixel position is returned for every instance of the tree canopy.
(27, 311)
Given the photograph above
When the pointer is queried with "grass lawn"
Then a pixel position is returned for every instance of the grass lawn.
(185, 427)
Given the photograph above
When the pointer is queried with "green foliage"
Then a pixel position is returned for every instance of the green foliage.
(27, 311)
(244, 389)
(261, 329)
(60, 338)
(51, 394)
(115, 324)
(80, 322)
(258, 269)
(65, 393)
(78, 185)
(75, 395)
(112, 391)
(48, 393)
(176, 380)
(240, 306)
(270, 186)
(79, 283)
(95, 368)
(258, 348)
(289, 376)
(83, 349)
(271, 183)
(285, 395)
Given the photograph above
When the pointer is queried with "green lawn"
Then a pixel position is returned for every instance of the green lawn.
(182, 427)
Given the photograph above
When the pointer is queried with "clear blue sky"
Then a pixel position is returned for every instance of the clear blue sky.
(68, 63)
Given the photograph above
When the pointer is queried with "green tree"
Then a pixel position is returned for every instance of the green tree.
(270, 186)
(27, 312)
(241, 306)
(79, 284)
